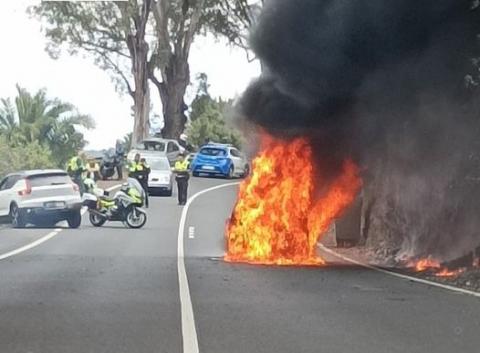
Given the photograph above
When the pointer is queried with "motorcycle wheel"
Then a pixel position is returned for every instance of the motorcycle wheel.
(96, 220)
(135, 220)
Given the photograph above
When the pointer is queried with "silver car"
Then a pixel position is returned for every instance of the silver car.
(157, 147)
(160, 180)
(40, 197)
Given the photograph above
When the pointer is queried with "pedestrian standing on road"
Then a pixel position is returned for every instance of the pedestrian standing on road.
(120, 157)
(140, 170)
(76, 169)
(181, 176)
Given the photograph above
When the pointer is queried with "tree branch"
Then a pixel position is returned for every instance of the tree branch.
(193, 27)
(119, 71)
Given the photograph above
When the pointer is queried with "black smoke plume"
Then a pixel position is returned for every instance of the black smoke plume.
(383, 82)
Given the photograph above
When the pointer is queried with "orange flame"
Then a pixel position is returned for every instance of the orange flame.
(277, 219)
(434, 266)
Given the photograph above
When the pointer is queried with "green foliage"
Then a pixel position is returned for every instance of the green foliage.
(208, 121)
(37, 122)
(15, 157)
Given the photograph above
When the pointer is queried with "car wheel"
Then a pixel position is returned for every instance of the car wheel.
(75, 220)
(230, 172)
(17, 217)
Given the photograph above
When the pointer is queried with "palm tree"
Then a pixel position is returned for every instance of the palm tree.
(8, 122)
(50, 122)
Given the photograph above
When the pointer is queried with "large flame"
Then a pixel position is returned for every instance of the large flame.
(277, 218)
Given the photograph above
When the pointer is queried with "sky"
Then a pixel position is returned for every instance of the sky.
(77, 80)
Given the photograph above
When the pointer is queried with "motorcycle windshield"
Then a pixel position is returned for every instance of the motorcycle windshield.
(133, 183)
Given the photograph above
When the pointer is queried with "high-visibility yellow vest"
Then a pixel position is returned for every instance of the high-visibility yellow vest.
(137, 167)
(181, 166)
(73, 164)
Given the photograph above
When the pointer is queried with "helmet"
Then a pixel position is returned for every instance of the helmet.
(183, 137)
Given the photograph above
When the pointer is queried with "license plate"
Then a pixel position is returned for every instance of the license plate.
(155, 179)
(55, 205)
(208, 167)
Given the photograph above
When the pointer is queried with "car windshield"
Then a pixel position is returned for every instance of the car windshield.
(49, 179)
(151, 146)
(216, 152)
(158, 164)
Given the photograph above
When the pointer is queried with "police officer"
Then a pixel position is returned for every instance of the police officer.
(76, 168)
(119, 156)
(182, 176)
(93, 170)
(140, 170)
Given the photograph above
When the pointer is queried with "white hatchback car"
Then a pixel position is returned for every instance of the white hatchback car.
(40, 197)
(161, 176)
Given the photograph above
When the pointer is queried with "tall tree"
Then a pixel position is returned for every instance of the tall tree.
(208, 118)
(177, 23)
(116, 34)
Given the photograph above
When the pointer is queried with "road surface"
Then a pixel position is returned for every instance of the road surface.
(112, 289)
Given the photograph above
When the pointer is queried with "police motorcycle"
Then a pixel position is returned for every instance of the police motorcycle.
(124, 207)
(110, 162)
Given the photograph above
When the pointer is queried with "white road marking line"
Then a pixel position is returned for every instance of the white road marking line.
(31, 245)
(191, 232)
(43, 239)
(399, 275)
(189, 331)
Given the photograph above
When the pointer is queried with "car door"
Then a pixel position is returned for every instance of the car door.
(6, 193)
(236, 157)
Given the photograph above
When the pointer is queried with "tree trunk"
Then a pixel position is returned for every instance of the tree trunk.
(141, 95)
(172, 93)
(139, 49)
(141, 108)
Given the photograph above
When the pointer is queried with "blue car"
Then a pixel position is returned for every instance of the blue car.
(220, 160)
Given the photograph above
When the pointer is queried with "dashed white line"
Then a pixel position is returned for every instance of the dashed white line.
(399, 275)
(191, 232)
(189, 331)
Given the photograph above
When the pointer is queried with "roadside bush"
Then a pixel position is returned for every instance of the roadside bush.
(15, 157)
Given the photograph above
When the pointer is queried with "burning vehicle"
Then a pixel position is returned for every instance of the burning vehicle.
(375, 95)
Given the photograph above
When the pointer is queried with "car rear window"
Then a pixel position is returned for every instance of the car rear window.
(49, 179)
(158, 164)
(217, 152)
(151, 146)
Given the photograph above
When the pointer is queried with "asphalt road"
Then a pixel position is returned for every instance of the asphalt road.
(116, 290)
